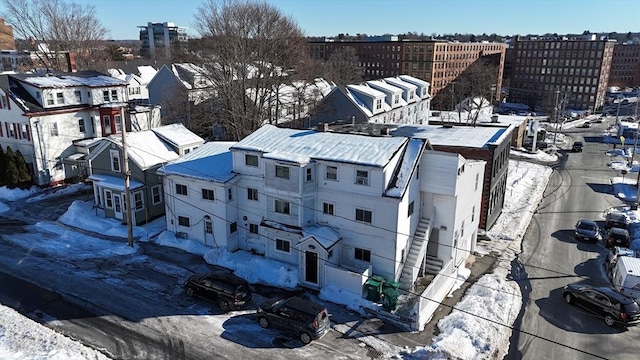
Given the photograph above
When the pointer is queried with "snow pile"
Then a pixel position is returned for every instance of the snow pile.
(7, 194)
(24, 339)
(168, 238)
(351, 300)
(59, 192)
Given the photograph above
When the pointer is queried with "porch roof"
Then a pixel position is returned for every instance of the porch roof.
(324, 235)
(114, 182)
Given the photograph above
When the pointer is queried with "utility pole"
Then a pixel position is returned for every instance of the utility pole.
(555, 115)
(127, 175)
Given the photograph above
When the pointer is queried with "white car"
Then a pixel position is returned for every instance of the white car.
(618, 251)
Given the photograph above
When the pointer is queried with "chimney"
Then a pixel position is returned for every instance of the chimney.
(324, 127)
(71, 62)
(494, 118)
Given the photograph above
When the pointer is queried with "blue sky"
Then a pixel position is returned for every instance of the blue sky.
(375, 17)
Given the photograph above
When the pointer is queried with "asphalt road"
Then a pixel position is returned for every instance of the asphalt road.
(133, 307)
(547, 327)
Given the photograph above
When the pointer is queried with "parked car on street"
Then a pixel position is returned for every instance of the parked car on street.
(617, 251)
(225, 288)
(586, 124)
(616, 219)
(605, 302)
(302, 317)
(587, 230)
(577, 146)
(617, 237)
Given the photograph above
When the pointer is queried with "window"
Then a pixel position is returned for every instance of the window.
(53, 128)
(363, 215)
(282, 172)
(108, 198)
(23, 129)
(378, 104)
(181, 189)
(473, 214)
(233, 227)
(3, 101)
(105, 95)
(114, 95)
(115, 160)
(207, 194)
(49, 99)
(362, 177)
(118, 122)
(362, 254)
(253, 228)
(156, 194)
(309, 174)
(59, 98)
(283, 245)
(138, 200)
(332, 173)
(107, 123)
(282, 207)
(81, 125)
(328, 208)
(252, 194)
(251, 160)
(78, 96)
(134, 90)
(410, 211)
(477, 181)
(183, 221)
(229, 194)
(208, 227)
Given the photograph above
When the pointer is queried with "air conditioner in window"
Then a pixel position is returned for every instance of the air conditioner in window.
(361, 181)
(181, 235)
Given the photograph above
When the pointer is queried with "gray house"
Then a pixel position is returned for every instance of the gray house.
(147, 151)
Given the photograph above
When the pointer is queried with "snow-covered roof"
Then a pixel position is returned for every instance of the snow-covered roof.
(401, 84)
(146, 149)
(366, 90)
(93, 79)
(382, 86)
(147, 73)
(325, 235)
(413, 80)
(408, 164)
(211, 161)
(178, 135)
(307, 144)
(464, 136)
(115, 182)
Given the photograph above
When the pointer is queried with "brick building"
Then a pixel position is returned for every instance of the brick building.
(625, 67)
(6, 37)
(434, 61)
(577, 69)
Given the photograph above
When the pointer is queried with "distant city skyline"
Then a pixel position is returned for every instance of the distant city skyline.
(377, 17)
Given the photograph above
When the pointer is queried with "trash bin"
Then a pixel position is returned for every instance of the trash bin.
(373, 288)
(390, 295)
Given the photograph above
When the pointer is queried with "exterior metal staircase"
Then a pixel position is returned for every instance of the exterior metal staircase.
(416, 256)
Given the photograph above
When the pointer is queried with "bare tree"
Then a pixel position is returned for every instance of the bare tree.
(248, 49)
(343, 67)
(55, 27)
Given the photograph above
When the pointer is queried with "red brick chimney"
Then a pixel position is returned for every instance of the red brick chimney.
(71, 62)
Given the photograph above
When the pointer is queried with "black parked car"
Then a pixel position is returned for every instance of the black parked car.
(230, 291)
(616, 219)
(577, 146)
(612, 306)
(617, 237)
(302, 317)
(587, 230)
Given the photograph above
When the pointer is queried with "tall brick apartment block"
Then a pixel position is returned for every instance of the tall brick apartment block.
(625, 67)
(435, 61)
(6, 37)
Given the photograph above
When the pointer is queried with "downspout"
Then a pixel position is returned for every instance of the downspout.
(42, 157)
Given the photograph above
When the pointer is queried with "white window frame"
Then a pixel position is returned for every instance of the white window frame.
(283, 172)
(208, 192)
(60, 98)
(180, 217)
(285, 207)
(138, 200)
(182, 186)
(156, 191)
(114, 156)
(108, 199)
(50, 100)
(252, 194)
(81, 126)
(363, 252)
(330, 171)
(363, 218)
(328, 208)
(250, 163)
(280, 244)
(362, 177)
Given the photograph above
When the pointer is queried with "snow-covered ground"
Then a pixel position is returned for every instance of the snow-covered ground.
(477, 328)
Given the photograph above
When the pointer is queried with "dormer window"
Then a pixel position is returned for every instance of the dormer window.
(396, 99)
(78, 96)
(362, 177)
(59, 98)
(114, 95)
(411, 95)
(378, 104)
(105, 95)
(49, 99)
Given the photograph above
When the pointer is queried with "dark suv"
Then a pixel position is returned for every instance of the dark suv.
(616, 219)
(296, 315)
(612, 306)
(230, 291)
(577, 146)
(617, 237)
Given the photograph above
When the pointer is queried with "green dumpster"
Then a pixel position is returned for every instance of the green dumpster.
(373, 288)
(390, 295)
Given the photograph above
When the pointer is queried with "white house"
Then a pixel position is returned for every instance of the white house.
(339, 206)
(136, 86)
(394, 100)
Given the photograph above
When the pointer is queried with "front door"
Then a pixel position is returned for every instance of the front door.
(311, 267)
(208, 232)
(117, 207)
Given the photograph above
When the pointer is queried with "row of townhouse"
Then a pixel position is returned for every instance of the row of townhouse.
(393, 100)
(340, 207)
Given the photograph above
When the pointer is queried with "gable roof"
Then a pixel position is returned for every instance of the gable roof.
(144, 148)
(70, 79)
(178, 135)
(302, 146)
(211, 162)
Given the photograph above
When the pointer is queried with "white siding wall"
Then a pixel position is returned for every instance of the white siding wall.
(439, 172)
